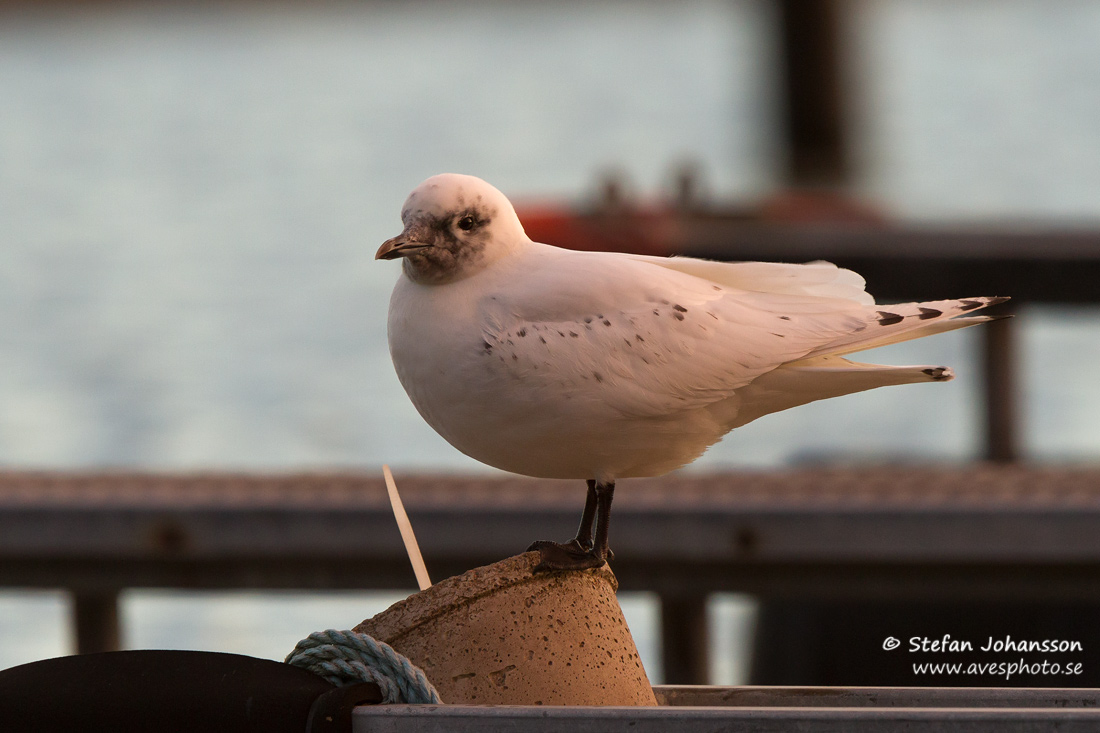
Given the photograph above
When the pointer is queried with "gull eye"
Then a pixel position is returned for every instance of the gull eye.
(467, 223)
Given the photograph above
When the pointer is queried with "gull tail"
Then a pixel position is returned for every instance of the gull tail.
(825, 373)
(892, 324)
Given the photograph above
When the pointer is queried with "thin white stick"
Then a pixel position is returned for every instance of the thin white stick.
(407, 535)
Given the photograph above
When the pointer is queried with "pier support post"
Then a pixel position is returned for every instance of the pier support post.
(684, 639)
(813, 93)
(1002, 431)
(95, 621)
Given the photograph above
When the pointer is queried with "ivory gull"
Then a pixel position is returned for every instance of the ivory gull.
(600, 366)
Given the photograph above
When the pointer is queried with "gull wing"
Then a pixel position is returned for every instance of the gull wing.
(818, 279)
(612, 331)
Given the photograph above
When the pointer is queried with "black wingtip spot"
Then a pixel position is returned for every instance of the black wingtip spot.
(969, 305)
(926, 313)
(889, 319)
(938, 373)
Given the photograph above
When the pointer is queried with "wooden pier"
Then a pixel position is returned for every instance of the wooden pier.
(985, 533)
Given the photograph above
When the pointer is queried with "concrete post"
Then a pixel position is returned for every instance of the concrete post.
(501, 635)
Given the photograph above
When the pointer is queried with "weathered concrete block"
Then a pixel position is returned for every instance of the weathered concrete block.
(499, 635)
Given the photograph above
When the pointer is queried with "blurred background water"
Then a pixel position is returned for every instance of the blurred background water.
(190, 199)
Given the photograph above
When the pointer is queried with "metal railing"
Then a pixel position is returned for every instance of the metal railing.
(983, 532)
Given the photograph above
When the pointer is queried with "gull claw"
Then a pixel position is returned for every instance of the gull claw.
(573, 545)
(556, 556)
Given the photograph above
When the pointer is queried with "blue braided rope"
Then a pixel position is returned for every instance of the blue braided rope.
(347, 657)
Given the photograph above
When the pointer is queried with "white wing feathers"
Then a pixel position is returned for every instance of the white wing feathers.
(819, 279)
(648, 336)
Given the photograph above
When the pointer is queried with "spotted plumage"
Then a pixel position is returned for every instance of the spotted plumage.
(654, 359)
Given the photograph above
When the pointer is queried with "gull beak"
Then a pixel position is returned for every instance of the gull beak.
(399, 246)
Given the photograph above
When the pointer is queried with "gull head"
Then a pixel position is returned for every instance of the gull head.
(455, 226)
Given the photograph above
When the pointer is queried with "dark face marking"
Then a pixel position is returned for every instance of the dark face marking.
(458, 241)
(926, 313)
(889, 319)
(936, 373)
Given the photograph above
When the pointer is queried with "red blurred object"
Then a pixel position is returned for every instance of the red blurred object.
(818, 207)
(665, 228)
(650, 231)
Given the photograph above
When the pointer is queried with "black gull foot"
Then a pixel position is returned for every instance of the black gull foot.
(574, 545)
(569, 556)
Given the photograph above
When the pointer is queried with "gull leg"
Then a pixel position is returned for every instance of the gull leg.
(604, 494)
(583, 541)
(583, 551)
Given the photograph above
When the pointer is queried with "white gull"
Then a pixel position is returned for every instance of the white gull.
(599, 366)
